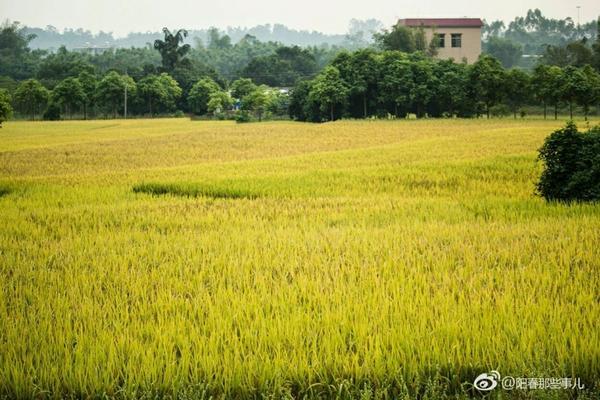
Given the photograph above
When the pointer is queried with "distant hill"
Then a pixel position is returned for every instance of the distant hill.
(50, 38)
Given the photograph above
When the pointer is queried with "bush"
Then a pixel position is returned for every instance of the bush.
(52, 113)
(571, 165)
(243, 116)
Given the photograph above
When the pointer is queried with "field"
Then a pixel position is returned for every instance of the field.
(395, 259)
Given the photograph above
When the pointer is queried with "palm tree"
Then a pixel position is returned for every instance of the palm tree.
(170, 50)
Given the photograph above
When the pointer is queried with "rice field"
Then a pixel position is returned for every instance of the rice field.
(172, 258)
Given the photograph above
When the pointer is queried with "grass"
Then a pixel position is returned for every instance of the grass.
(357, 259)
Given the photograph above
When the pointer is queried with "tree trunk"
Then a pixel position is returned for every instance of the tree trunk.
(487, 110)
(85, 111)
(545, 110)
(571, 109)
(556, 111)
(365, 104)
(331, 111)
(150, 102)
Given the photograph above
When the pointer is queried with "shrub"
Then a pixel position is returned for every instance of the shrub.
(571, 165)
(243, 116)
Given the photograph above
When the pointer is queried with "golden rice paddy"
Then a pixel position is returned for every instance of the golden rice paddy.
(355, 259)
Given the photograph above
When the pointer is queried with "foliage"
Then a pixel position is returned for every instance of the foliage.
(172, 53)
(61, 65)
(31, 97)
(571, 165)
(242, 87)
(16, 58)
(89, 84)
(487, 77)
(506, 51)
(5, 106)
(218, 102)
(518, 89)
(329, 90)
(535, 31)
(111, 91)
(52, 112)
(400, 38)
(256, 101)
(200, 93)
(284, 68)
(69, 93)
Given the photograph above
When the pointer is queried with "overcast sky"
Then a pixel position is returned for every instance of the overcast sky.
(330, 16)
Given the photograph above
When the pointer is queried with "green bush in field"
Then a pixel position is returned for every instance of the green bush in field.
(572, 165)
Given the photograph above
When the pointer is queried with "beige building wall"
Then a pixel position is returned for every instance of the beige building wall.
(470, 46)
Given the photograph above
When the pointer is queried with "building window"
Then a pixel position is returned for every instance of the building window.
(456, 40)
(441, 40)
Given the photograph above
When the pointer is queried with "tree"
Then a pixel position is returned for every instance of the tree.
(242, 87)
(5, 107)
(508, 52)
(170, 50)
(360, 71)
(16, 59)
(200, 95)
(571, 165)
(590, 94)
(219, 102)
(61, 65)
(171, 90)
(329, 90)
(397, 83)
(111, 91)
(400, 38)
(69, 94)
(518, 89)
(451, 89)
(575, 88)
(31, 97)
(256, 101)
(89, 85)
(151, 90)
(424, 83)
(283, 68)
(486, 78)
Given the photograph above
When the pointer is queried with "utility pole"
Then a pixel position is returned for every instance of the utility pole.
(125, 103)
(578, 21)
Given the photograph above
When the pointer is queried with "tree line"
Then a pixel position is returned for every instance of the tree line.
(369, 83)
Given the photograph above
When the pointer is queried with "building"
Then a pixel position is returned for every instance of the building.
(458, 38)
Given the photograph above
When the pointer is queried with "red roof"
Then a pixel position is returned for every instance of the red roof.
(443, 22)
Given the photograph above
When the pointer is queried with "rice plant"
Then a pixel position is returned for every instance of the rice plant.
(358, 259)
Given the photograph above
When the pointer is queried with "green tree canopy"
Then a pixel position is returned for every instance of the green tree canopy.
(518, 89)
(242, 87)
(69, 94)
(487, 81)
(200, 95)
(111, 91)
(329, 90)
(170, 48)
(5, 107)
(508, 52)
(31, 97)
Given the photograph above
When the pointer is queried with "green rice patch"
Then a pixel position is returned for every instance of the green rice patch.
(195, 190)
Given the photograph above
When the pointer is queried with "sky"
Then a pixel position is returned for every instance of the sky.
(328, 16)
